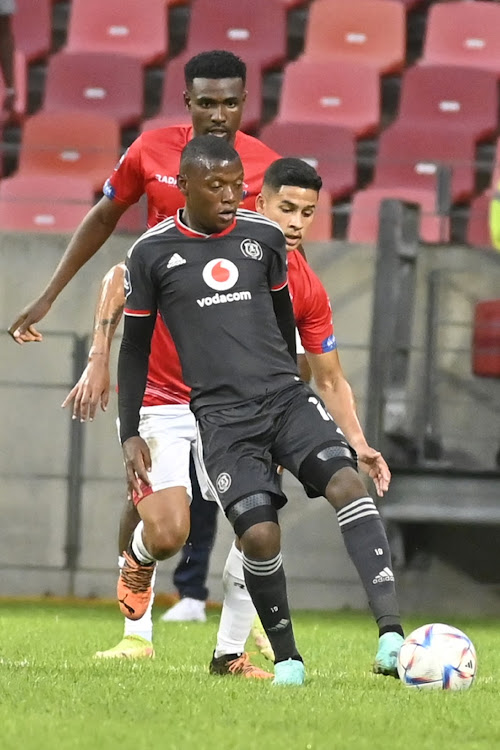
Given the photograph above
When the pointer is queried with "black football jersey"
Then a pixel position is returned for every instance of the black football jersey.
(214, 294)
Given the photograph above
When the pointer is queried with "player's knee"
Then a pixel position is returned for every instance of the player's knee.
(344, 487)
(166, 539)
(251, 510)
(324, 465)
(262, 541)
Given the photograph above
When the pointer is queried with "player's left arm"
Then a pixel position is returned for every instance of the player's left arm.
(278, 284)
(336, 392)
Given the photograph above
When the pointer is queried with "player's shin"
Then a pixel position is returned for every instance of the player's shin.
(238, 611)
(366, 542)
(144, 626)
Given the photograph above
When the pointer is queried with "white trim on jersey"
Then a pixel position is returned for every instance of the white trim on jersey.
(136, 313)
(160, 228)
(246, 215)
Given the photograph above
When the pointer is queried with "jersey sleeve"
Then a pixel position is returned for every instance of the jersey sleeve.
(316, 326)
(126, 184)
(278, 269)
(140, 293)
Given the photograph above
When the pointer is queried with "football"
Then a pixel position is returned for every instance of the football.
(438, 657)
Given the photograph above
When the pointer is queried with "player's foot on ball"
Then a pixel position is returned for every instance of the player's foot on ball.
(289, 672)
(386, 660)
(134, 587)
(261, 640)
(237, 664)
(186, 610)
(130, 647)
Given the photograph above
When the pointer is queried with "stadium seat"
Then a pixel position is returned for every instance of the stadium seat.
(70, 144)
(321, 229)
(32, 24)
(478, 229)
(450, 97)
(121, 27)
(365, 207)
(21, 81)
(96, 82)
(463, 33)
(38, 203)
(173, 112)
(330, 150)
(410, 156)
(486, 339)
(253, 29)
(366, 31)
(331, 92)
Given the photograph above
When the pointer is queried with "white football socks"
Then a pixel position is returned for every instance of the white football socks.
(238, 611)
(143, 626)
(138, 546)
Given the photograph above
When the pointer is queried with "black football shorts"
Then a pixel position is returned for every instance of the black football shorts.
(240, 446)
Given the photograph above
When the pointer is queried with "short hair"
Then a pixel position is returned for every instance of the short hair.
(217, 63)
(292, 171)
(207, 149)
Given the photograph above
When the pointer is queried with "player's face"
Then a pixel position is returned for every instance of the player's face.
(213, 193)
(216, 106)
(292, 208)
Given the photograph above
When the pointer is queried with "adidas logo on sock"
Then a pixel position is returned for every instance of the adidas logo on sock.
(280, 626)
(385, 575)
(175, 260)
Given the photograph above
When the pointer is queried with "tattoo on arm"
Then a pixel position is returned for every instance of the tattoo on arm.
(107, 326)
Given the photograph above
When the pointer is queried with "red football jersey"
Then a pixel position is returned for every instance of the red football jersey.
(151, 166)
(311, 306)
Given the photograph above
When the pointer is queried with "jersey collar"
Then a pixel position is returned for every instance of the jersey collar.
(193, 233)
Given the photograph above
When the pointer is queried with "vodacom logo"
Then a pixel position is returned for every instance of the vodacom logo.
(220, 274)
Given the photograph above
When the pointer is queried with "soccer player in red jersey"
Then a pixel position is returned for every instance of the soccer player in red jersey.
(215, 96)
(289, 197)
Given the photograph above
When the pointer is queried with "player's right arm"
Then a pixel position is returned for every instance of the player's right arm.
(139, 322)
(124, 187)
(93, 385)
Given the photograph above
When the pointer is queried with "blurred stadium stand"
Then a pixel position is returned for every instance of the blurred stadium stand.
(390, 99)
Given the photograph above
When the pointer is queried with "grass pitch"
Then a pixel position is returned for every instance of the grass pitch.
(54, 695)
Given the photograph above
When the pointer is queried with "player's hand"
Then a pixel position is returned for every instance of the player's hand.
(22, 329)
(374, 464)
(137, 464)
(92, 389)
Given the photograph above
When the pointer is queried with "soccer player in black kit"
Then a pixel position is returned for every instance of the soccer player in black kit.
(218, 277)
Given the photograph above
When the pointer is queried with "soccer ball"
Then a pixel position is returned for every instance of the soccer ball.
(438, 657)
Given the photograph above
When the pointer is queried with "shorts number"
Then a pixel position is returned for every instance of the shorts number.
(319, 406)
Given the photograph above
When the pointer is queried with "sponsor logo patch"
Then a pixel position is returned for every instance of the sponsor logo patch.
(220, 274)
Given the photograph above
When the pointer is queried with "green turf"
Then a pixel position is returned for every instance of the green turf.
(54, 695)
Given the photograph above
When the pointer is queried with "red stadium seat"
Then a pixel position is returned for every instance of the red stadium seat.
(478, 229)
(253, 29)
(486, 339)
(365, 207)
(448, 97)
(331, 93)
(330, 150)
(173, 111)
(410, 157)
(321, 229)
(72, 144)
(96, 82)
(32, 203)
(463, 33)
(32, 23)
(21, 81)
(366, 31)
(128, 28)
